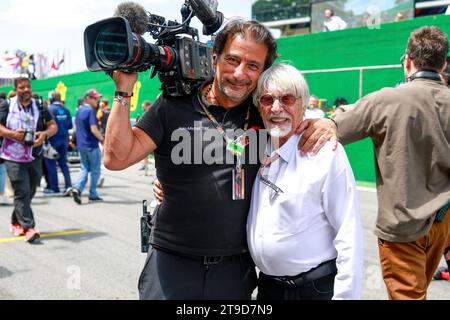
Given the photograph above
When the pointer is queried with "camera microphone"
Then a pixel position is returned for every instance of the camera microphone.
(206, 12)
(135, 14)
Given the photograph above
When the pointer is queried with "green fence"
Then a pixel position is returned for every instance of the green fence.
(348, 63)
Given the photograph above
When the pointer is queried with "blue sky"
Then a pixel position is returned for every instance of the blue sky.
(359, 7)
(52, 26)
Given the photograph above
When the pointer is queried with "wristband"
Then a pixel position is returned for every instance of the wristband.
(122, 94)
(122, 100)
(332, 119)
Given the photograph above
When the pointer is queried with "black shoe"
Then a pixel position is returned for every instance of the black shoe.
(67, 192)
(96, 199)
(76, 196)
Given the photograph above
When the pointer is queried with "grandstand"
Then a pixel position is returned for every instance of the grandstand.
(293, 17)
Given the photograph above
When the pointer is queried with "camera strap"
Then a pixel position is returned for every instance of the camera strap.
(236, 148)
(425, 74)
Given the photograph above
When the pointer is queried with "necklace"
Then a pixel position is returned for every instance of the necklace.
(207, 91)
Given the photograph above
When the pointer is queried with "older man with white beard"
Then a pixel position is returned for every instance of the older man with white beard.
(303, 229)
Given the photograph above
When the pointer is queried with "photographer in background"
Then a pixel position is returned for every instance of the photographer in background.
(198, 242)
(24, 131)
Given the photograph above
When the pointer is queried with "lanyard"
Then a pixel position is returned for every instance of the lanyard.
(219, 127)
(26, 113)
(267, 161)
(236, 148)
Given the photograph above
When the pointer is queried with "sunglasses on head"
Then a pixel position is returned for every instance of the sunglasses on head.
(287, 100)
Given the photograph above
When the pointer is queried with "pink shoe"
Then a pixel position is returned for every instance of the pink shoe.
(31, 235)
(17, 230)
(442, 274)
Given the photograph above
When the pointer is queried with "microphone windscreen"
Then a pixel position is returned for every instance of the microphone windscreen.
(135, 14)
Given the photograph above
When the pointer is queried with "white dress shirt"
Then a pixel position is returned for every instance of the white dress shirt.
(315, 113)
(335, 23)
(315, 219)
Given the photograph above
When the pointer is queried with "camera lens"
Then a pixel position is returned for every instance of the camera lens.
(111, 46)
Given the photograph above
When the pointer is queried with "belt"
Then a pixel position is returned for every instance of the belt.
(324, 269)
(207, 260)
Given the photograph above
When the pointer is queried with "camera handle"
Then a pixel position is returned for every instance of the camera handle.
(146, 225)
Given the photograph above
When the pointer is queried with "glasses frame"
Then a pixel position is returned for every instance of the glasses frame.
(272, 186)
(279, 98)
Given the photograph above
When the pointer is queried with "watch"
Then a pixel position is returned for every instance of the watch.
(332, 118)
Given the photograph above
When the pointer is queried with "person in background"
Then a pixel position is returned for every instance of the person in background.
(409, 126)
(332, 22)
(103, 115)
(3, 197)
(88, 139)
(399, 16)
(145, 106)
(46, 189)
(60, 142)
(443, 273)
(24, 126)
(313, 111)
(338, 102)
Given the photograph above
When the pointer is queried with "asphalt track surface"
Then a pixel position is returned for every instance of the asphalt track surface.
(92, 251)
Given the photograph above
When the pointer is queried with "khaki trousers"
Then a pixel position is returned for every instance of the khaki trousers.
(408, 267)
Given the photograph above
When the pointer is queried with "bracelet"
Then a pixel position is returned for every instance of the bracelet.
(122, 94)
(122, 100)
(332, 119)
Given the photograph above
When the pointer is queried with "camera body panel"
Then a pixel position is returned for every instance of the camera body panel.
(181, 62)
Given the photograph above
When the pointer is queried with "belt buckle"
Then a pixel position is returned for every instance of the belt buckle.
(292, 283)
(207, 261)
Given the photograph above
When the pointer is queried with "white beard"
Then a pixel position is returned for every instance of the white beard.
(279, 131)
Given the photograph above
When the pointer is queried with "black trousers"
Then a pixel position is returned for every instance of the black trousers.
(24, 179)
(167, 276)
(320, 289)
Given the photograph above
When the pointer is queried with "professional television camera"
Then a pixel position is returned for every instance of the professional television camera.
(180, 61)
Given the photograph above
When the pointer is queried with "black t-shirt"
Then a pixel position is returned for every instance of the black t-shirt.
(4, 111)
(198, 215)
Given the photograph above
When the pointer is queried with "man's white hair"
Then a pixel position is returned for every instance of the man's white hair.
(283, 77)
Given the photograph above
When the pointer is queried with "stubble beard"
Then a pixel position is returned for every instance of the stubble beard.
(236, 97)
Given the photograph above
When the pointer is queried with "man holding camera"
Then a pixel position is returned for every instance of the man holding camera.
(410, 128)
(199, 248)
(23, 131)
